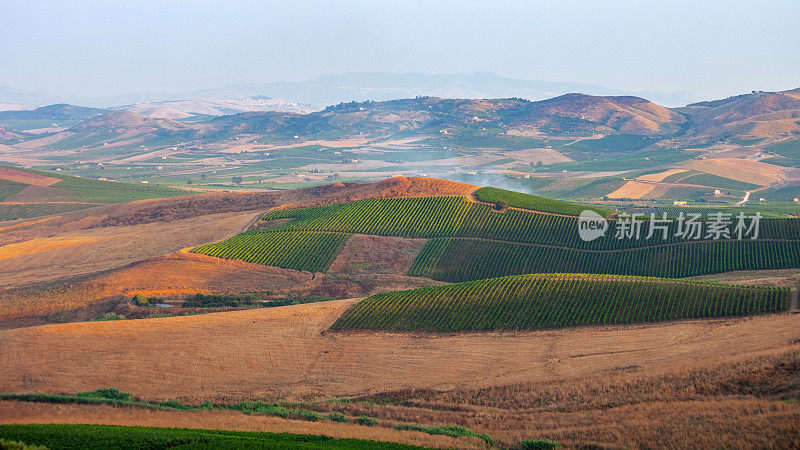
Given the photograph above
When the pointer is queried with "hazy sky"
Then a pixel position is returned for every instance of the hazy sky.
(711, 48)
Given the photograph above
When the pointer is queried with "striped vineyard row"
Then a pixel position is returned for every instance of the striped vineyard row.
(431, 217)
(458, 259)
(534, 202)
(311, 252)
(533, 302)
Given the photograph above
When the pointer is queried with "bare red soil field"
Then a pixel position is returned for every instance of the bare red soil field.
(26, 177)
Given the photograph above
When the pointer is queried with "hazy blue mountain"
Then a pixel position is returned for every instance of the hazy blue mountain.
(327, 90)
(25, 97)
(361, 86)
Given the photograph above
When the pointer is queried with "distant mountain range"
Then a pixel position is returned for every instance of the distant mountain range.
(754, 115)
(331, 89)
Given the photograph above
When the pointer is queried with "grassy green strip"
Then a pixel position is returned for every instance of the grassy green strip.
(114, 397)
(447, 430)
(101, 437)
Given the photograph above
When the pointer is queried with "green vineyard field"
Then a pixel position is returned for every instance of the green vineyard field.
(430, 217)
(313, 252)
(533, 302)
(459, 259)
(473, 241)
(533, 202)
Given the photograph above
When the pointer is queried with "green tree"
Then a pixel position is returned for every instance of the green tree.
(140, 300)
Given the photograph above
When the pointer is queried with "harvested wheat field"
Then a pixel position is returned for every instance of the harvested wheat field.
(745, 170)
(34, 246)
(91, 250)
(660, 176)
(698, 383)
(25, 223)
(632, 189)
(712, 403)
(178, 273)
(286, 353)
(533, 155)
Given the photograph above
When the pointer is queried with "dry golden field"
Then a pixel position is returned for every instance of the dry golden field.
(286, 353)
(19, 176)
(745, 170)
(632, 386)
(90, 250)
(632, 189)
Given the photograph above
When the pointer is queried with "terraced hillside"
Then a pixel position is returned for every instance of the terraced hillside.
(533, 302)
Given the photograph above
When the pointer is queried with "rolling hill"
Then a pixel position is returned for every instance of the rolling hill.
(604, 115)
(470, 240)
(7, 134)
(758, 114)
(324, 319)
(52, 116)
(571, 114)
(574, 147)
(127, 122)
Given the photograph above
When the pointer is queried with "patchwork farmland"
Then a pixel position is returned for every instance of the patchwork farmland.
(377, 262)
